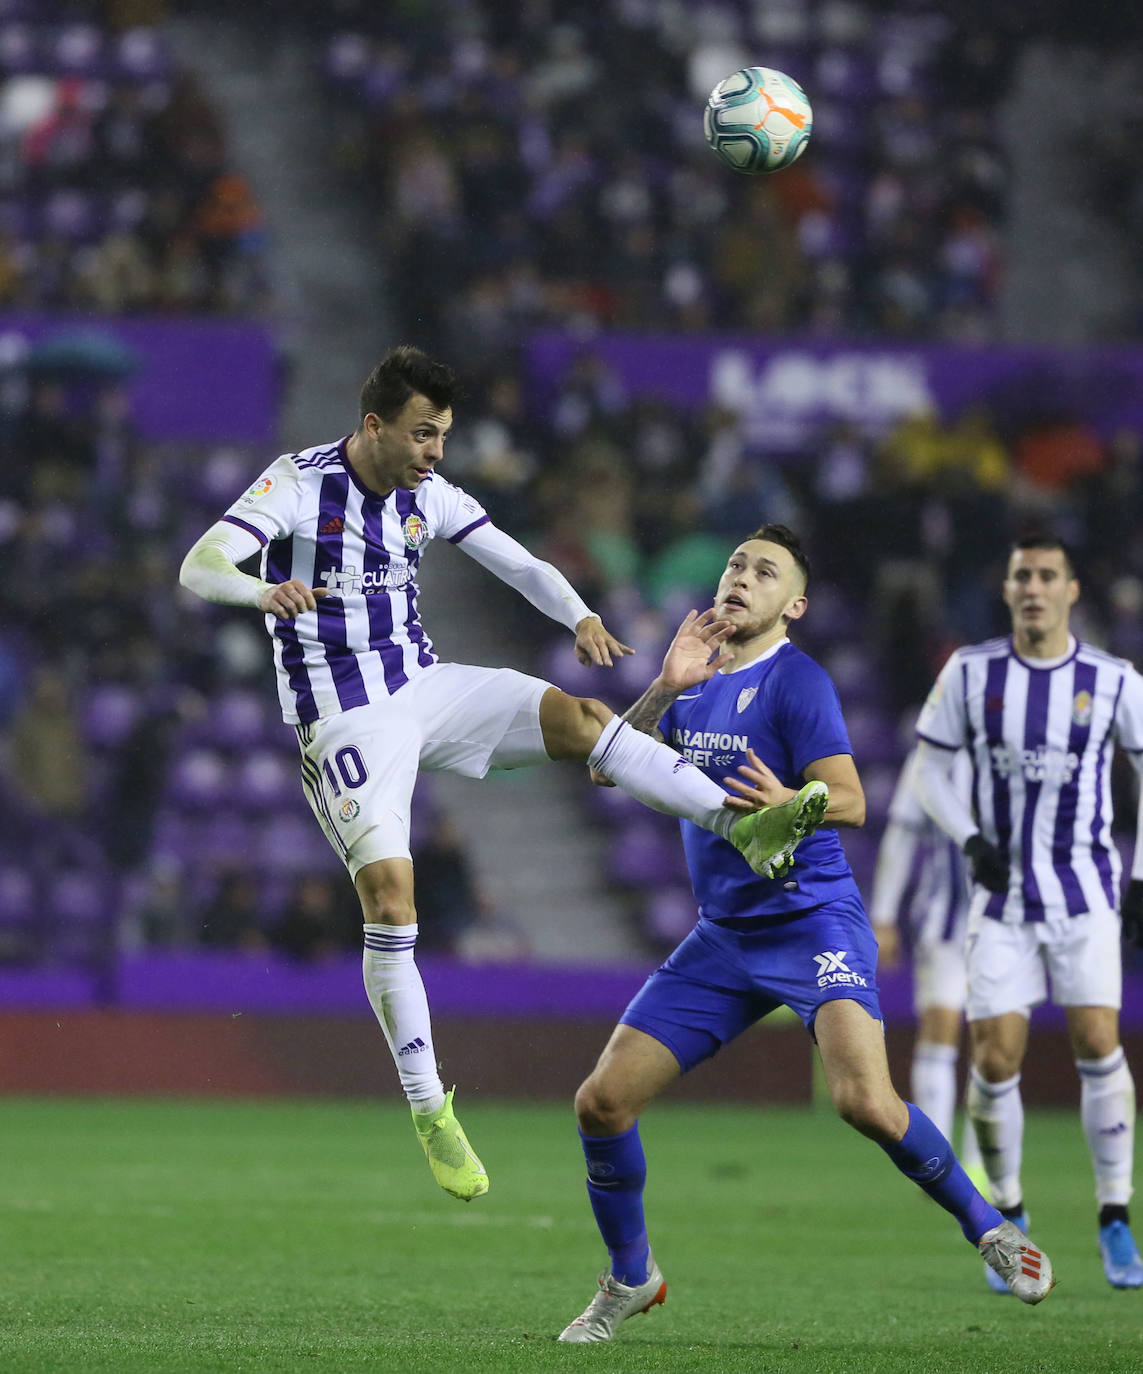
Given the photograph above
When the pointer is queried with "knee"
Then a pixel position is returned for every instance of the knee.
(572, 725)
(1096, 1044)
(994, 1063)
(600, 1111)
(385, 903)
(875, 1114)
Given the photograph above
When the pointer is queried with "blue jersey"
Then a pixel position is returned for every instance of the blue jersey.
(785, 707)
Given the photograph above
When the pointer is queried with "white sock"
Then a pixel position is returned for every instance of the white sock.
(1107, 1109)
(397, 996)
(659, 777)
(997, 1113)
(933, 1083)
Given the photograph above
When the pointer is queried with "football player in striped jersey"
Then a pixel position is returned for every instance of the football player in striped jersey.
(1040, 713)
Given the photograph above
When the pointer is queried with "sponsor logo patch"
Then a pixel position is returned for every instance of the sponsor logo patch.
(263, 487)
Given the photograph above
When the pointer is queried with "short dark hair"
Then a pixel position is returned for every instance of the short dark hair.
(1044, 539)
(783, 535)
(403, 372)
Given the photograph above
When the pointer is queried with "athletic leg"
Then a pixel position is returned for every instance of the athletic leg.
(852, 1046)
(631, 1071)
(587, 731)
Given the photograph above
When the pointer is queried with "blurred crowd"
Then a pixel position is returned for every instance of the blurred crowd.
(526, 166)
(544, 163)
(117, 194)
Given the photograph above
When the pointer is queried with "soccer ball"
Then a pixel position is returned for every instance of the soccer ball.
(758, 120)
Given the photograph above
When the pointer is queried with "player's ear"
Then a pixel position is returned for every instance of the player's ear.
(796, 608)
(1073, 591)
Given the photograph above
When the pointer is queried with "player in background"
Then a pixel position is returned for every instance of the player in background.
(341, 529)
(802, 939)
(1040, 713)
(918, 861)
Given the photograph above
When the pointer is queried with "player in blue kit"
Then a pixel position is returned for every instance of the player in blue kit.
(735, 696)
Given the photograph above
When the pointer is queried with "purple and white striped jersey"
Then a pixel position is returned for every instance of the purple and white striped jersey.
(1041, 741)
(317, 522)
(938, 905)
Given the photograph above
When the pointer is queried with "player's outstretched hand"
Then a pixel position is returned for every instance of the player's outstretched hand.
(290, 599)
(1133, 912)
(596, 645)
(989, 865)
(693, 656)
(761, 786)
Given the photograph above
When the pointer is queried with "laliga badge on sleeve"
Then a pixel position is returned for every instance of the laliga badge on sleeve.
(262, 487)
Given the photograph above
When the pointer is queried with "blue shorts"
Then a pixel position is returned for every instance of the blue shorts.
(723, 979)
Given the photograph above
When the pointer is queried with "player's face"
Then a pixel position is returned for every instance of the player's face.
(1040, 591)
(761, 585)
(403, 451)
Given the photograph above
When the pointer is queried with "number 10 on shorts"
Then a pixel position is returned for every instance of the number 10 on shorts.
(350, 767)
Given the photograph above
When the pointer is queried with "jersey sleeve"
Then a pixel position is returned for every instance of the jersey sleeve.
(944, 717)
(905, 809)
(452, 512)
(811, 715)
(269, 508)
(1129, 713)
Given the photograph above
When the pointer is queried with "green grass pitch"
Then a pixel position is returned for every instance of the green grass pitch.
(161, 1236)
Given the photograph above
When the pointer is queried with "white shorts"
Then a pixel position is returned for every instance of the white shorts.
(1009, 966)
(359, 768)
(939, 977)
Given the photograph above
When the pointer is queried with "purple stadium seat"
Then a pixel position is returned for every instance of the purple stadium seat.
(266, 780)
(77, 50)
(110, 711)
(873, 734)
(70, 214)
(199, 781)
(18, 50)
(21, 915)
(223, 839)
(647, 854)
(347, 57)
(81, 910)
(140, 55)
(238, 719)
(670, 914)
(293, 844)
(844, 75)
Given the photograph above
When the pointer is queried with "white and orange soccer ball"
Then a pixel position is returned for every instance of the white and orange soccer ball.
(758, 120)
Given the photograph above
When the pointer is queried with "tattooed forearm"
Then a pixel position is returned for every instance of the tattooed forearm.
(648, 710)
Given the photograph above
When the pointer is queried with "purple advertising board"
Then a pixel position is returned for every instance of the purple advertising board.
(199, 380)
(786, 391)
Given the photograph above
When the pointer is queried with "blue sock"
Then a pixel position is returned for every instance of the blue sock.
(925, 1156)
(616, 1172)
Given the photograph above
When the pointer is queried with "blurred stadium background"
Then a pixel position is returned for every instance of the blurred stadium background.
(213, 219)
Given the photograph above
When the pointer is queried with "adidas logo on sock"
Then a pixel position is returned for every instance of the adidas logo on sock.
(413, 1047)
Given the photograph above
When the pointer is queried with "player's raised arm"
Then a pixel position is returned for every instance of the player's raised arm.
(209, 570)
(546, 588)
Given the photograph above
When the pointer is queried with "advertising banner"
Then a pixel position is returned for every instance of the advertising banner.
(205, 380)
(787, 391)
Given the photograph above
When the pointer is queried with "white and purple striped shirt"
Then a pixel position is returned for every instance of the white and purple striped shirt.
(318, 523)
(938, 903)
(1041, 741)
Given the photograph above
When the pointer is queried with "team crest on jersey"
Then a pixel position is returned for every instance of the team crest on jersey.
(1081, 708)
(263, 487)
(745, 697)
(349, 809)
(415, 531)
